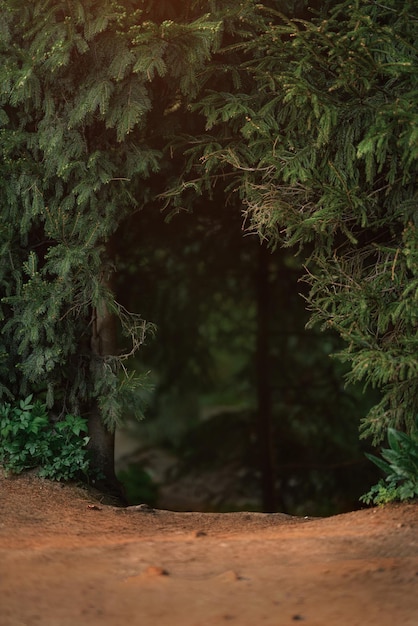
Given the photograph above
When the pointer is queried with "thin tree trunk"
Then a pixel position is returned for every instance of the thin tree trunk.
(264, 416)
(104, 343)
(102, 448)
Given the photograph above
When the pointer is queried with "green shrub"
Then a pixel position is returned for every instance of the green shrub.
(400, 463)
(28, 439)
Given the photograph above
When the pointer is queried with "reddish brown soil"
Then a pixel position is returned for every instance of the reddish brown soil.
(67, 559)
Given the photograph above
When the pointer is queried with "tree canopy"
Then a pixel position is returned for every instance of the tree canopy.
(304, 113)
(88, 90)
(323, 151)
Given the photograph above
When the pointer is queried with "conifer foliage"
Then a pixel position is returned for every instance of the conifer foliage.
(79, 84)
(323, 148)
(312, 120)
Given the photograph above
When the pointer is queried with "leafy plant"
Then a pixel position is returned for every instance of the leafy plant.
(28, 439)
(400, 463)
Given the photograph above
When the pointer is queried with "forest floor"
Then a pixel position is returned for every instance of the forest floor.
(67, 559)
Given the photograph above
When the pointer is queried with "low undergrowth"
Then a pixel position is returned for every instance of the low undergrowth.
(30, 439)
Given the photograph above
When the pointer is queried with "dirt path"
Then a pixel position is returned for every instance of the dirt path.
(68, 560)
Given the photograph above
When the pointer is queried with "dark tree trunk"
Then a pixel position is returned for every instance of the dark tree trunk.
(264, 418)
(104, 342)
(102, 448)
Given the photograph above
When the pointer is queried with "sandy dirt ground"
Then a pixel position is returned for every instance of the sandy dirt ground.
(68, 559)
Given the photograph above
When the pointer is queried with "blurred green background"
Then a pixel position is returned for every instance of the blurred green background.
(245, 407)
